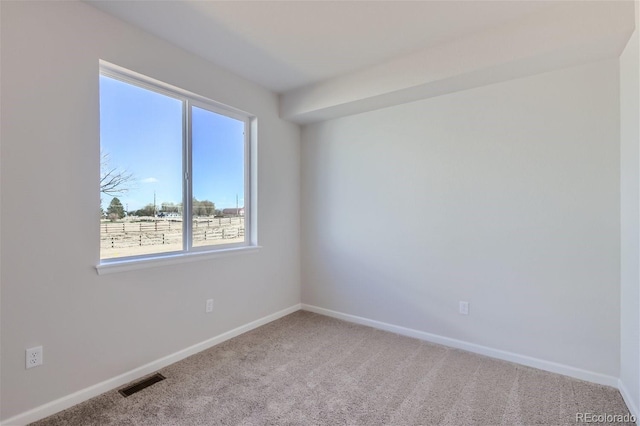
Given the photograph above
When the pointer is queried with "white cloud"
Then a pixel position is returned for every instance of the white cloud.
(149, 180)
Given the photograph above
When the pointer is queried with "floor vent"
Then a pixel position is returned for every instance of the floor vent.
(137, 387)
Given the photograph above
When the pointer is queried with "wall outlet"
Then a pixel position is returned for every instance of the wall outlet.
(464, 308)
(209, 307)
(33, 357)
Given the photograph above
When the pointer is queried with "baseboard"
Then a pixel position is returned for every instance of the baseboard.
(110, 384)
(631, 404)
(541, 364)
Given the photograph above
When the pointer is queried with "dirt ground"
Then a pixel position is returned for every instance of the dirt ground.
(110, 253)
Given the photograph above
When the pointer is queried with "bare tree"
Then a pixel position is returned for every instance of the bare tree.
(113, 181)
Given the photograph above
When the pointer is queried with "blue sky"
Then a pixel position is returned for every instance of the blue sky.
(141, 131)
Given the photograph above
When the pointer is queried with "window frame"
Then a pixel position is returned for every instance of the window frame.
(190, 252)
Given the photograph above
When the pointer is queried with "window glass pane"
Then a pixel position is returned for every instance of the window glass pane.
(141, 170)
(218, 178)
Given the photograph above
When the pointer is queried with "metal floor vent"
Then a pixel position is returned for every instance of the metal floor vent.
(137, 387)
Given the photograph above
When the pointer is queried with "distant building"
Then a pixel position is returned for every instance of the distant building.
(233, 212)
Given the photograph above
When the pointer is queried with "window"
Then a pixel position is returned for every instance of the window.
(174, 170)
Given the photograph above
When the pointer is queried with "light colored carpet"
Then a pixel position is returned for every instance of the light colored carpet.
(308, 369)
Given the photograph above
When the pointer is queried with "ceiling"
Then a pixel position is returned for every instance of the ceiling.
(284, 45)
(333, 58)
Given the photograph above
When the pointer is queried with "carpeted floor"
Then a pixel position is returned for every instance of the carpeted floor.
(308, 369)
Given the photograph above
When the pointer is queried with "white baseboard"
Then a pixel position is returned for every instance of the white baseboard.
(110, 384)
(115, 382)
(541, 364)
(631, 404)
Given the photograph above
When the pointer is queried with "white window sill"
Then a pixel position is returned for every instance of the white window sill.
(113, 266)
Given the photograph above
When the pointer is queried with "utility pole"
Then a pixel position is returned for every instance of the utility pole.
(155, 210)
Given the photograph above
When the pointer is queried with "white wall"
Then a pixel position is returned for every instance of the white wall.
(96, 327)
(511, 196)
(630, 217)
(506, 196)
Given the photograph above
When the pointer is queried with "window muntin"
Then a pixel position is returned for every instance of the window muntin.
(187, 157)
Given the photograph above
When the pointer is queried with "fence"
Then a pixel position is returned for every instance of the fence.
(165, 232)
(167, 225)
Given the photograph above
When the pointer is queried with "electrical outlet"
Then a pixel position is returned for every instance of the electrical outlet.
(33, 357)
(464, 308)
(209, 307)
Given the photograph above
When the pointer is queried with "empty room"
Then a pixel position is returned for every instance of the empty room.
(319, 212)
